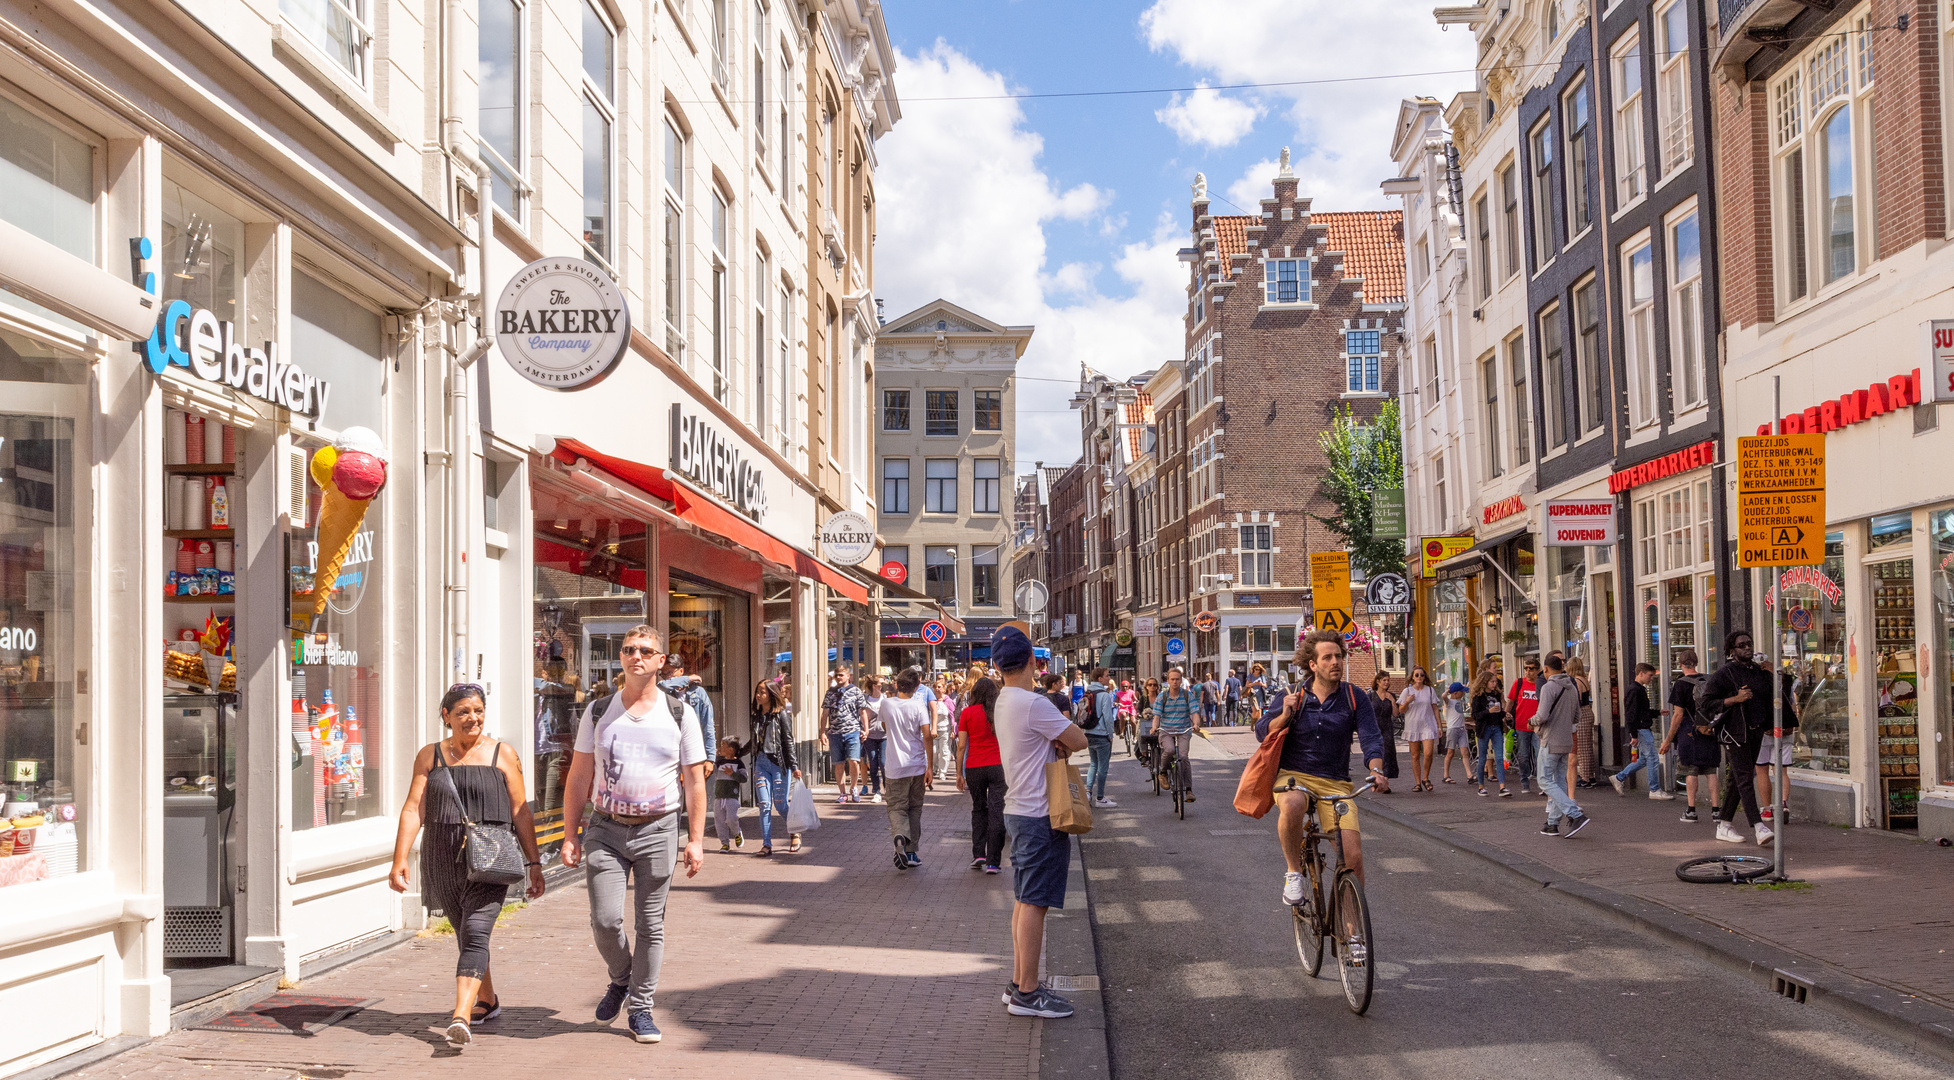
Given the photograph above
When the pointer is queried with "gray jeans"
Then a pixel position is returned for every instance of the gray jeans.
(648, 853)
(904, 794)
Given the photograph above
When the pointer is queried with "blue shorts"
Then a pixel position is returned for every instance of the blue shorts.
(1041, 856)
(845, 747)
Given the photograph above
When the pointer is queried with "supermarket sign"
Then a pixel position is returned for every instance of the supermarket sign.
(1580, 523)
(1668, 465)
(1810, 577)
(1853, 407)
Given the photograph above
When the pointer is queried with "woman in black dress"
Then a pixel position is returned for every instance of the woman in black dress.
(465, 777)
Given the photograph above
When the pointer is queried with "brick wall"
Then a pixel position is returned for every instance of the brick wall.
(1911, 193)
(1743, 141)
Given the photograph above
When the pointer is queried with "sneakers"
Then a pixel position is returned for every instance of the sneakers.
(642, 1027)
(1764, 835)
(1620, 788)
(977, 863)
(902, 854)
(1103, 802)
(613, 1001)
(1689, 813)
(1767, 813)
(1728, 833)
(1190, 795)
(739, 840)
(457, 1033)
(725, 845)
(1292, 889)
(1505, 794)
(990, 868)
(1662, 796)
(1579, 823)
(1552, 828)
(1482, 792)
(914, 860)
(1040, 1002)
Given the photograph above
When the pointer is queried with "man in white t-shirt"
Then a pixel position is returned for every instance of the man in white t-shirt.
(1030, 732)
(638, 753)
(908, 738)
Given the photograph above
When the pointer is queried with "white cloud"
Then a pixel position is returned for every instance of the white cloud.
(963, 209)
(1340, 132)
(1209, 117)
(1254, 185)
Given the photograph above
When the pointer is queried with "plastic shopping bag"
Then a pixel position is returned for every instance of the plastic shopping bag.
(801, 815)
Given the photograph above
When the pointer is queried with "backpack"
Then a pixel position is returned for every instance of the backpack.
(672, 701)
(1089, 710)
(1696, 741)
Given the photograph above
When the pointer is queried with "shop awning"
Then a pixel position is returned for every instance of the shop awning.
(697, 510)
(1500, 540)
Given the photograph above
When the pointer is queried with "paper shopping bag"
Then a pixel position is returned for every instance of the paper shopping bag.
(1065, 790)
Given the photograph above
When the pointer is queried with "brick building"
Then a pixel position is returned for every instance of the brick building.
(1065, 561)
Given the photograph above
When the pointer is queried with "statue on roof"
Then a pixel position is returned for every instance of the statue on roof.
(1285, 170)
(1200, 187)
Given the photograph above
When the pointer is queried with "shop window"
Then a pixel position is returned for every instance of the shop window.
(1940, 587)
(702, 621)
(1896, 660)
(198, 260)
(1285, 642)
(1567, 599)
(1813, 597)
(1238, 639)
(1892, 530)
(1679, 620)
(983, 577)
(940, 574)
(341, 341)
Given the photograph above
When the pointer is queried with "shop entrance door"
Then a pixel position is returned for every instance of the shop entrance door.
(708, 631)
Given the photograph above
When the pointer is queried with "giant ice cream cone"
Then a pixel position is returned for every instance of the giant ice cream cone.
(339, 522)
(349, 473)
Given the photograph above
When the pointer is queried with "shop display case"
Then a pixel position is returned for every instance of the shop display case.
(1898, 687)
(199, 792)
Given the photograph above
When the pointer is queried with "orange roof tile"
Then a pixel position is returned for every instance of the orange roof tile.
(1231, 239)
(1373, 245)
(1139, 413)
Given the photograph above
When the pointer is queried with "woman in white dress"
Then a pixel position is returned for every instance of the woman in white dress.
(1419, 706)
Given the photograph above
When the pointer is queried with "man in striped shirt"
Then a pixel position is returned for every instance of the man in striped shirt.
(1176, 719)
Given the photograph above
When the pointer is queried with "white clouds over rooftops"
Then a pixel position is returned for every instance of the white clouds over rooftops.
(1209, 117)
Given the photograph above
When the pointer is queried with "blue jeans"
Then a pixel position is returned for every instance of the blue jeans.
(1645, 755)
(1492, 741)
(1526, 752)
(872, 755)
(1553, 781)
(1099, 761)
(770, 791)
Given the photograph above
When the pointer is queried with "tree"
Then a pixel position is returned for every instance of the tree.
(1365, 457)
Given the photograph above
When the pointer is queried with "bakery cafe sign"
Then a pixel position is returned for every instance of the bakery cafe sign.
(706, 456)
(562, 323)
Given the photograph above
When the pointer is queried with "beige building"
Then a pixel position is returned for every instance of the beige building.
(945, 390)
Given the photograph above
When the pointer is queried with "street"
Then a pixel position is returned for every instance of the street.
(1478, 974)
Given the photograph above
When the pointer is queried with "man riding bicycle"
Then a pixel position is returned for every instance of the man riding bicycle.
(1316, 723)
(1176, 717)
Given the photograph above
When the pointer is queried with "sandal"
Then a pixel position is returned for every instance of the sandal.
(766, 850)
(457, 1034)
(1449, 780)
(794, 843)
(485, 1011)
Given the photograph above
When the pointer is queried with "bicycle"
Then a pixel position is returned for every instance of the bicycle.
(1346, 920)
(1174, 766)
(1724, 869)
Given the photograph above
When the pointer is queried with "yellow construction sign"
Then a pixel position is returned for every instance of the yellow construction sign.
(1329, 586)
(1781, 500)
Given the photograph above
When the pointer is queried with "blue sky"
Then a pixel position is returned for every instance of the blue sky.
(1065, 212)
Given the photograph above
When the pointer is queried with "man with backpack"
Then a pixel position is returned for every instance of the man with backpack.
(1738, 700)
(1175, 720)
(1098, 715)
(1560, 707)
(1692, 736)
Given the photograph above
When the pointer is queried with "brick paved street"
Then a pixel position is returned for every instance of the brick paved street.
(827, 963)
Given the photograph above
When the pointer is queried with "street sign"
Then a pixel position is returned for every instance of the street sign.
(1781, 500)
(1437, 549)
(1175, 646)
(934, 633)
(1801, 619)
(1329, 585)
(1031, 596)
(1387, 514)
(1387, 594)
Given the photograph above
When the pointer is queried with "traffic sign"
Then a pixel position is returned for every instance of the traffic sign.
(1175, 646)
(1031, 596)
(1329, 586)
(1781, 500)
(934, 633)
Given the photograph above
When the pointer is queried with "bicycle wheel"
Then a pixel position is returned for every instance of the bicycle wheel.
(1355, 961)
(1723, 869)
(1309, 925)
(1180, 796)
(1153, 767)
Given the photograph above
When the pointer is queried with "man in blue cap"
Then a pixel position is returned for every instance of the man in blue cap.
(1030, 732)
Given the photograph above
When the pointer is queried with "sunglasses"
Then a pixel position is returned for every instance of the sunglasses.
(639, 650)
(466, 688)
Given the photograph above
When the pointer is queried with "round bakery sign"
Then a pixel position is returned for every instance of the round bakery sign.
(562, 323)
(847, 539)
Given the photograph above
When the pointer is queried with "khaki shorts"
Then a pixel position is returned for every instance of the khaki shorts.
(1326, 812)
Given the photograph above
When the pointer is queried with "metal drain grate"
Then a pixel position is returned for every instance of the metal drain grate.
(1074, 982)
(196, 931)
(1789, 986)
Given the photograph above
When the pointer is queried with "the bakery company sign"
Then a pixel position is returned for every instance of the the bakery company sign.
(562, 323)
(706, 456)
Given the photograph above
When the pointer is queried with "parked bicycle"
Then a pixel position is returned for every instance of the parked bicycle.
(1343, 916)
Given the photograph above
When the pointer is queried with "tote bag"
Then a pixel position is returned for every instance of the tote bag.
(801, 815)
(1065, 790)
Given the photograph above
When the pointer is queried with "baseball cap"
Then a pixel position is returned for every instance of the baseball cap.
(1456, 688)
(1010, 648)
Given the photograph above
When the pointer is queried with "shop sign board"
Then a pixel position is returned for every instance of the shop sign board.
(1580, 523)
(1781, 500)
(1437, 549)
(1206, 621)
(562, 323)
(1689, 457)
(1123, 637)
(847, 539)
(1145, 625)
(895, 571)
(1940, 357)
(1852, 407)
(1387, 594)
(1503, 509)
(1387, 514)
(704, 455)
(1329, 586)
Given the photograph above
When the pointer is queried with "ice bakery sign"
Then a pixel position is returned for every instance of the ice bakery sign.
(562, 323)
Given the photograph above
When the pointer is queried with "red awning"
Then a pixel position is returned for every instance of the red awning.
(696, 510)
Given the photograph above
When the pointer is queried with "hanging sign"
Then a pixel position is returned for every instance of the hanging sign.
(1387, 514)
(1123, 637)
(895, 571)
(1387, 594)
(1440, 548)
(847, 539)
(562, 323)
(1145, 625)
(1206, 621)
(1781, 500)
(1579, 523)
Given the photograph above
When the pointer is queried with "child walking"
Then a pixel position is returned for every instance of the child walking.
(1457, 740)
(728, 773)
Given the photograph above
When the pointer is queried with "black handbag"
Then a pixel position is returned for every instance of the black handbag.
(489, 852)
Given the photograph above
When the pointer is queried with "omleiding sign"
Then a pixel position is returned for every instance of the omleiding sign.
(1580, 523)
(562, 323)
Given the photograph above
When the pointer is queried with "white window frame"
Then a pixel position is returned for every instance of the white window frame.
(1272, 282)
(1688, 359)
(786, 147)
(672, 241)
(1512, 254)
(895, 489)
(1631, 140)
(1638, 330)
(986, 492)
(600, 98)
(762, 342)
(1832, 75)
(1255, 550)
(511, 174)
(761, 84)
(1578, 156)
(934, 487)
(721, 358)
(1675, 127)
(784, 378)
(319, 26)
(1363, 367)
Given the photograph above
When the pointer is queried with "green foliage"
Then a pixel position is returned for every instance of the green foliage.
(1365, 456)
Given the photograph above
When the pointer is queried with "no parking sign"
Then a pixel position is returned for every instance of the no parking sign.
(934, 633)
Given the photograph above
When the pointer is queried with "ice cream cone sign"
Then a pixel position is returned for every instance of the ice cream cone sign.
(349, 473)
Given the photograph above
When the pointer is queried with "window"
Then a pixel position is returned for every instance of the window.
(1815, 107)
(1509, 218)
(338, 27)
(760, 117)
(599, 114)
(721, 42)
(1590, 392)
(1482, 264)
(783, 378)
(940, 486)
(1257, 555)
(1364, 355)
(940, 573)
(988, 415)
(1430, 353)
(895, 485)
(987, 478)
(1421, 262)
(1542, 144)
(786, 147)
(983, 576)
(1574, 121)
(1631, 177)
(1489, 378)
(1285, 281)
(762, 294)
(499, 51)
(1686, 310)
(1516, 362)
(895, 410)
(939, 412)
(1638, 331)
(720, 300)
(1672, 87)
(1835, 196)
(1438, 490)
(1552, 340)
(673, 242)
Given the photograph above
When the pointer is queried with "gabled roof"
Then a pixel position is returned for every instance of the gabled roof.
(1373, 245)
(1231, 239)
(956, 320)
(1139, 413)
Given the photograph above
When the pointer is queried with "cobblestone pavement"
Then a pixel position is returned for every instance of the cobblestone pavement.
(827, 963)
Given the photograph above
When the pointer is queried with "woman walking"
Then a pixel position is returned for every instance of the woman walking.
(1257, 690)
(1587, 754)
(1385, 708)
(874, 736)
(773, 762)
(466, 778)
(980, 771)
(1488, 707)
(1419, 702)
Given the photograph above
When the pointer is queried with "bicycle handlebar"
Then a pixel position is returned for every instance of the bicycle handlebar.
(1330, 798)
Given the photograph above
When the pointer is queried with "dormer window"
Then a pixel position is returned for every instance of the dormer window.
(1285, 281)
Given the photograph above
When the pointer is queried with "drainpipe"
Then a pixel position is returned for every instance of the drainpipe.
(460, 513)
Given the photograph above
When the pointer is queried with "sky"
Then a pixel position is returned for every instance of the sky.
(1065, 213)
